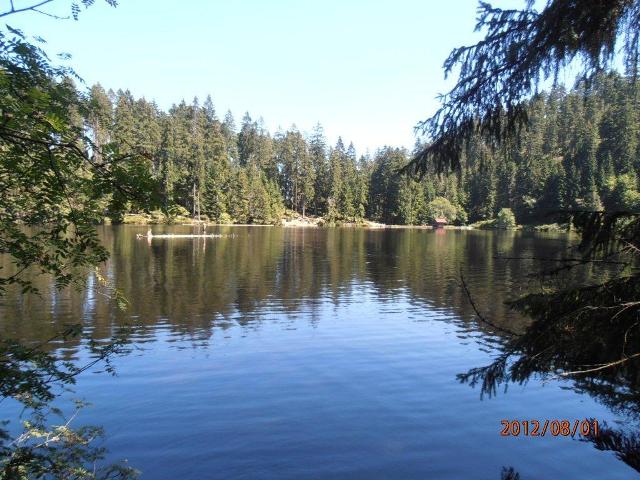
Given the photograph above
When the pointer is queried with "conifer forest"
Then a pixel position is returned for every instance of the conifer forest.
(580, 151)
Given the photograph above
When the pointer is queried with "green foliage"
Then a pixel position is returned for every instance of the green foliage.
(411, 202)
(318, 157)
(578, 328)
(177, 211)
(196, 161)
(461, 216)
(47, 178)
(440, 207)
(506, 219)
(385, 184)
(522, 48)
(297, 170)
(57, 177)
(190, 158)
(44, 449)
(569, 157)
(58, 452)
(621, 193)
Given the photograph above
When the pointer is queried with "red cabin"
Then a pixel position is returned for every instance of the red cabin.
(440, 222)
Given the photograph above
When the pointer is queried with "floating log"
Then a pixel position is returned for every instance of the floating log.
(172, 235)
(177, 235)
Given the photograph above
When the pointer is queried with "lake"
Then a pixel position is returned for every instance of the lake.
(279, 353)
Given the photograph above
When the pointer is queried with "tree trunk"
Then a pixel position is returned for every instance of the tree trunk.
(198, 205)
(194, 199)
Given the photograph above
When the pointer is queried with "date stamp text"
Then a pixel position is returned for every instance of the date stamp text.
(554, 428)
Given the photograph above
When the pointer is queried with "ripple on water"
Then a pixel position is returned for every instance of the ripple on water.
(319, 354)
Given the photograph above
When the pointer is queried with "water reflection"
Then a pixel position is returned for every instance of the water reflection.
(588, 336)
(194, 285)
(372, 324)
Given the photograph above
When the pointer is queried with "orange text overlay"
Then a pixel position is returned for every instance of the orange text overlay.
(554, 428)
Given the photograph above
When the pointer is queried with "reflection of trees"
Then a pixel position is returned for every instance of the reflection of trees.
(618, 389)
(586, 335)
(509, 474)
(194, 286)
(625, 444)
(564, 342)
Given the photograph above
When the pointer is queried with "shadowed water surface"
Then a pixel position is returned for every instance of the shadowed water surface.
(314, 353)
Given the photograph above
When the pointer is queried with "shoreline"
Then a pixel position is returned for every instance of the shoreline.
(317, 222)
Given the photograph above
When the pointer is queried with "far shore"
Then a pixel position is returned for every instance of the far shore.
(317, 222)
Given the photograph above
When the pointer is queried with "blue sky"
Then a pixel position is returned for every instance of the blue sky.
(368, 70)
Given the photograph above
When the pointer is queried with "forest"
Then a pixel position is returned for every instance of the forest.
(499, 153)
(580, 151)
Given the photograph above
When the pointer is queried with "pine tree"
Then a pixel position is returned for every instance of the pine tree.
(230, 137)
(337, 182)
(411, 209)
(346, 200)
(124, 122)
(248, 142)
(148, 132)
(297, 170)
(196, 160)
(177, 152)
(580, 150)
(99, 119)
(217, 166)
(318, 158)
(240, 196)
(265, 154)
(362, 186)
(307, 175)
(209, 110)
(385, 182)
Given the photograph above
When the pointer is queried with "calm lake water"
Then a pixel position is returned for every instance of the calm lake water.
(314, 353)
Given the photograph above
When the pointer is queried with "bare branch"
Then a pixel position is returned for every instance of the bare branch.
(57, 17)
(479, 315)
(33, 8)
(600, 367)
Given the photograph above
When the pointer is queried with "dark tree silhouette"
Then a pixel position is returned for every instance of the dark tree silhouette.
(522, 49)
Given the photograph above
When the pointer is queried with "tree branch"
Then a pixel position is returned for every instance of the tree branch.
(479, 315)
(600, 367)
(33, 8)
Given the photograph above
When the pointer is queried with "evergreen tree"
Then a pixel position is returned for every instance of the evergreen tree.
(124, 122)
(217, 166)
(230, 137)
(248, 142)
(196, 165)
(337, 182)
(148, 132)
(579, 150)
(318, 158)
(99, 119)
(411, 202)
